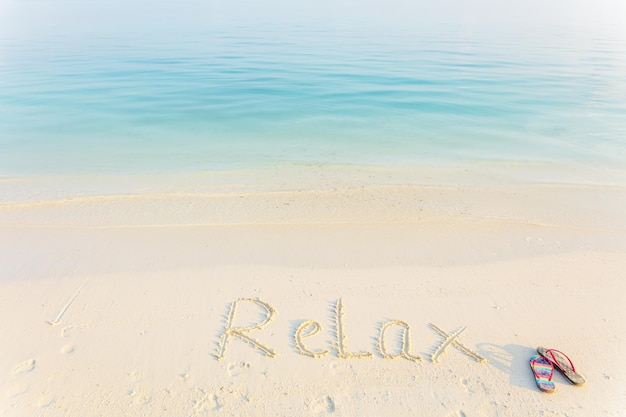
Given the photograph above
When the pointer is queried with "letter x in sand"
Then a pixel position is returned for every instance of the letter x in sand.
(451, 339)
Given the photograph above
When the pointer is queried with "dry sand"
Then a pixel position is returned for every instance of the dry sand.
(133, 295)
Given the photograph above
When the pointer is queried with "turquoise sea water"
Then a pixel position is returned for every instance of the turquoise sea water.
(173, 92)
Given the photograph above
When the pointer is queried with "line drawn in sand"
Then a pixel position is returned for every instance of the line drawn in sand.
(340, 337)
(451, 339)
(405, 344)
(57, 320)
(306, 329)
(238, 332)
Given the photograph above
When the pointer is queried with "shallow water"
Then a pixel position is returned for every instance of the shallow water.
(113, 94)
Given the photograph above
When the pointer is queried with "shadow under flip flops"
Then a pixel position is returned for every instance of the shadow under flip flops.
(543, 371)
(563, 364)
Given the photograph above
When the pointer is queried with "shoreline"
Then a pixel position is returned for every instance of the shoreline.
(307, 177)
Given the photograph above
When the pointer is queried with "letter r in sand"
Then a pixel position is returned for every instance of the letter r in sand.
(239, 332)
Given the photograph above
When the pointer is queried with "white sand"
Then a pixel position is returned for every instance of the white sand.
(115, 293)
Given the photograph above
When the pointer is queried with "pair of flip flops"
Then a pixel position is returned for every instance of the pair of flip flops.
(543, 368)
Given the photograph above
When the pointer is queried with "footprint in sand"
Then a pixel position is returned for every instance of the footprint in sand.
(45, 400)
(324, 405)
(466, 385)
(16, 389)
(67, 349)
(24, 367)
(457, 413)
(237, 368)
(207, 402)
(139, 398)
(71, 330)
(339, 369)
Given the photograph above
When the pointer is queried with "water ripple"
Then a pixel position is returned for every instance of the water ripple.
(247, 95)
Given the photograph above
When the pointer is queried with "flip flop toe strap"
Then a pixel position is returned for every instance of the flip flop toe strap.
(559, 362)
(542, 369)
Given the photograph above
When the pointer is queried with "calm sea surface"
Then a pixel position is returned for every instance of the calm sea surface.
(219, 95)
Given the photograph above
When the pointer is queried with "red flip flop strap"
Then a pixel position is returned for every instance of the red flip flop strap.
(564, 355)
(537, 376)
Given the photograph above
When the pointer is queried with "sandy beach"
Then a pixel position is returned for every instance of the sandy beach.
(297, 291)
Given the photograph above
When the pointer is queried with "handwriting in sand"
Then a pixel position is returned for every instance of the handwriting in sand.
(310, 328)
